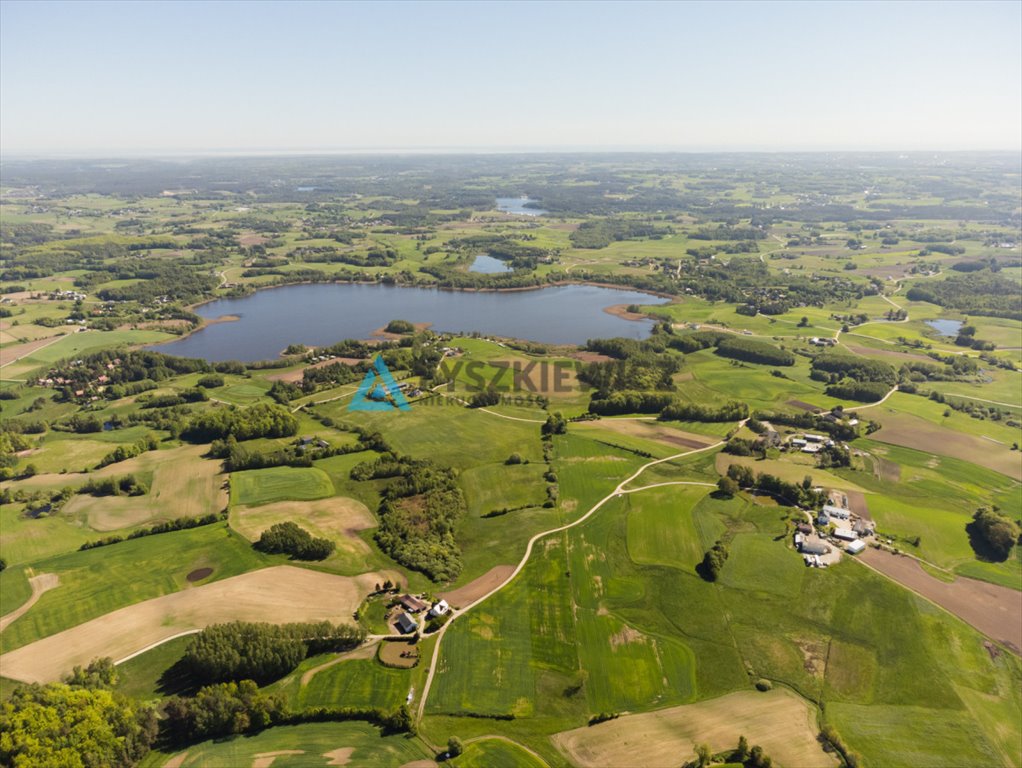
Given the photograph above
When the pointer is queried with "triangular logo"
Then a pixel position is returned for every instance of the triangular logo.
(378, 391)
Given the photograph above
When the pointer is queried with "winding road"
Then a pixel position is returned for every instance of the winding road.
(617, 492)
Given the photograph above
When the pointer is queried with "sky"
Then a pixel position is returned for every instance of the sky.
(185, 77)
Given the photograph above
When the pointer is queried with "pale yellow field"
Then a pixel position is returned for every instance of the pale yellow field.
(184, 485)
(779, 721)
(278, 595)
(338, 519)
(649, 430)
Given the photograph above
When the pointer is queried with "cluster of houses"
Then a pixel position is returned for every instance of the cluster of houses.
(836, 528)
(67, 296)
(411, 604)
(97, 385)
(822, 342)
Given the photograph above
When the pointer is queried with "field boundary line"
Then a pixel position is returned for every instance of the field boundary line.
(498, 737)
(157, 644)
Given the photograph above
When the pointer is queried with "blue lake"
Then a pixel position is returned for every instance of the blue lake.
(488, 265)
(322, 314)
(517, 205)
(945, 327)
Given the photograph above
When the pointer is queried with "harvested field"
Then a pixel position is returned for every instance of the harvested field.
(994, 610)
(913, 432)
(803, 405)
(337, 518)
(780, 721)
(489, 581)
(184, 485)
(251, 239)
(279, 595)
(650, 430)
(41, 583)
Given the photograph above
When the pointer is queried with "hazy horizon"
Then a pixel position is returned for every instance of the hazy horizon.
(88, 79)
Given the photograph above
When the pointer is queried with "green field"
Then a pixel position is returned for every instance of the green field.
(99, 581)
(263, 486)
(312, 744)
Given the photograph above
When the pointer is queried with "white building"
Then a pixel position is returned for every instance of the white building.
(855, 547)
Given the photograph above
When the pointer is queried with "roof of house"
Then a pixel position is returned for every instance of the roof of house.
(845, 533)
(406, 623)
(814, 548)
(412, 603)
(856, 546)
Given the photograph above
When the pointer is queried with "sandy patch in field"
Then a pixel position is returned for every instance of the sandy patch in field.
(478, 587)
(994, 610)
(420, 764)
(779, 721)
(337, 518)
(176, 761)
(278, 595)
(293, 377)
(251, 239)
(184, 485)
(649, 430)
(913, 432)
(340, 756)
(41, 583)
(265, 759)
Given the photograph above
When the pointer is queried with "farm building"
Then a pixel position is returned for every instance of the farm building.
(855, 547)
(811, 448)
(412, 603)
(814, 548)
(862, 528)
(405, 624)
(439, 608)
(798, 442)
(799, 538)
(822, 519)
(804, 528)
(845, 534)
(815, 438)
(839, 512)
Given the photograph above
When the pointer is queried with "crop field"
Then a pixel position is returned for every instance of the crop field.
(183, 485)
(913, 661)
(312, 745)
(337, 518)
(451, 433)
(273, 484)
(489, 488)
(495, 753)
(98, 581)
(782, 723)
(358, 683)
(278, 594)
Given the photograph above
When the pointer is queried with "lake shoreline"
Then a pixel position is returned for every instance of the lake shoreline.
(617, 310)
